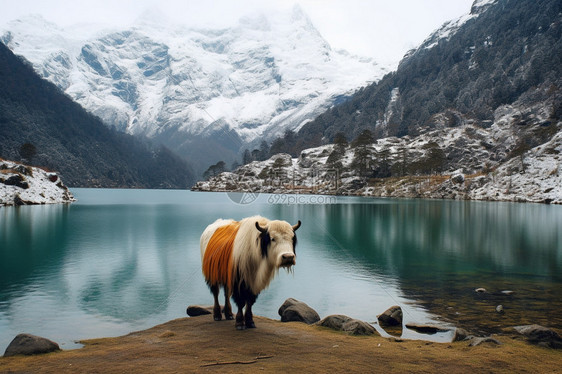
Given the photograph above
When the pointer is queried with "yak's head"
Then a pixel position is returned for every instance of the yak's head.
(278, 241)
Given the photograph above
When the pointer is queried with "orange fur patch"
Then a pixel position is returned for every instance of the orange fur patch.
(217, 260)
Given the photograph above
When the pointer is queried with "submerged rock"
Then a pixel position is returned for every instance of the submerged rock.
(297, 311)
(27, 344)
(426, 329)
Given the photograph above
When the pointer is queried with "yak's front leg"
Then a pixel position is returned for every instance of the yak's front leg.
(249, 316)
(240, 319)
(227, 306)
(216, 308)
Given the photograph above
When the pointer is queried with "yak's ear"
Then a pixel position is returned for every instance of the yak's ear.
(265, 239)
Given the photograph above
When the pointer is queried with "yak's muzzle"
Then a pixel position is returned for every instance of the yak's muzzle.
(287, 259)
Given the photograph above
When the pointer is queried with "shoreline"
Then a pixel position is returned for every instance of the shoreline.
(199, 344)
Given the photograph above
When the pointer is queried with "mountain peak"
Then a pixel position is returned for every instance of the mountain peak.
(152, 16)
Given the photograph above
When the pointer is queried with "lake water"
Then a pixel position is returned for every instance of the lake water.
(118, 261)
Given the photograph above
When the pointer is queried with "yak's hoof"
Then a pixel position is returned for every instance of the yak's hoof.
(250, 325)
(217, 318)
(229, 317)
(240, 327)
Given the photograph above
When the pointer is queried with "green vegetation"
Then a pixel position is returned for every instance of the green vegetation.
(40, 123)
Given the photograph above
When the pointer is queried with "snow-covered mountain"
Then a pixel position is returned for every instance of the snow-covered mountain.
(196, 90)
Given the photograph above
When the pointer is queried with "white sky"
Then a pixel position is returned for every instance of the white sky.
(383, 29)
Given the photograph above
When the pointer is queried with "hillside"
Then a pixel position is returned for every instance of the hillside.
(73, 142)
(505, 57)
(475, 112)
(196, 89)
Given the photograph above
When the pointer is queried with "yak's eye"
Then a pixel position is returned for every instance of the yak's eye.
(272, 239)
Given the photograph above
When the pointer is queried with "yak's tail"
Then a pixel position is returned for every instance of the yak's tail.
(217, 259)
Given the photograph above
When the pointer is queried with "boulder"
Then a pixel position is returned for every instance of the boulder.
(198, 310)
(27, 344)
(18, 181)
(347, 324)
(296, 311)
(334, 322)
(357, 327)
(391, 317)
(540, 335)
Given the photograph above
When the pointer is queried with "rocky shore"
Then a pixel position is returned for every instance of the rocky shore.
(200, 344)
(26, 185)
(472, 169)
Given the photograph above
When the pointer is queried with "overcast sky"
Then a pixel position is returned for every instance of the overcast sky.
(383, 29)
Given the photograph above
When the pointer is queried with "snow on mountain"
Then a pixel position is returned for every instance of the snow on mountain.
(449, 28)
(24, 185)
(472, 158)
(176, 84)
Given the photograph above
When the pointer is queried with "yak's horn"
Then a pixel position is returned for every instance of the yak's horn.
(295, 227)
(261, 229)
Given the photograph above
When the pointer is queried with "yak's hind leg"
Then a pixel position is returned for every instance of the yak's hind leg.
(227, 306)
(216, 308)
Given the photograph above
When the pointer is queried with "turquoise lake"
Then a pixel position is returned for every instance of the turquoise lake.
(118, 261)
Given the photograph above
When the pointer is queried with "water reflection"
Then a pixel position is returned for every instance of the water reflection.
(123, 260)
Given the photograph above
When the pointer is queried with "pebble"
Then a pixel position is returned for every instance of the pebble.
(480, 289)
(499, 309)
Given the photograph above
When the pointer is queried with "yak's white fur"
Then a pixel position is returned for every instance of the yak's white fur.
(209, 231)
(255, 270)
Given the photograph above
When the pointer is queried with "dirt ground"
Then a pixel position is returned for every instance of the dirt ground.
(199, 344)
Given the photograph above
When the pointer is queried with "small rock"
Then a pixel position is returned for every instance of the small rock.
(297, 311)
(507, 292)
(478, 340)
(458, 178)
(27, 344)
(460, 334)
(540, 335)
(198, 310)
(391, 317)
(480, 290)
(499, 309)
(347, 324)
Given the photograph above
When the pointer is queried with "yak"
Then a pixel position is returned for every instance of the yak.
(243, 257)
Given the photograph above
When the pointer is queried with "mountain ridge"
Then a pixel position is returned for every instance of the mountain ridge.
(255, 80)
